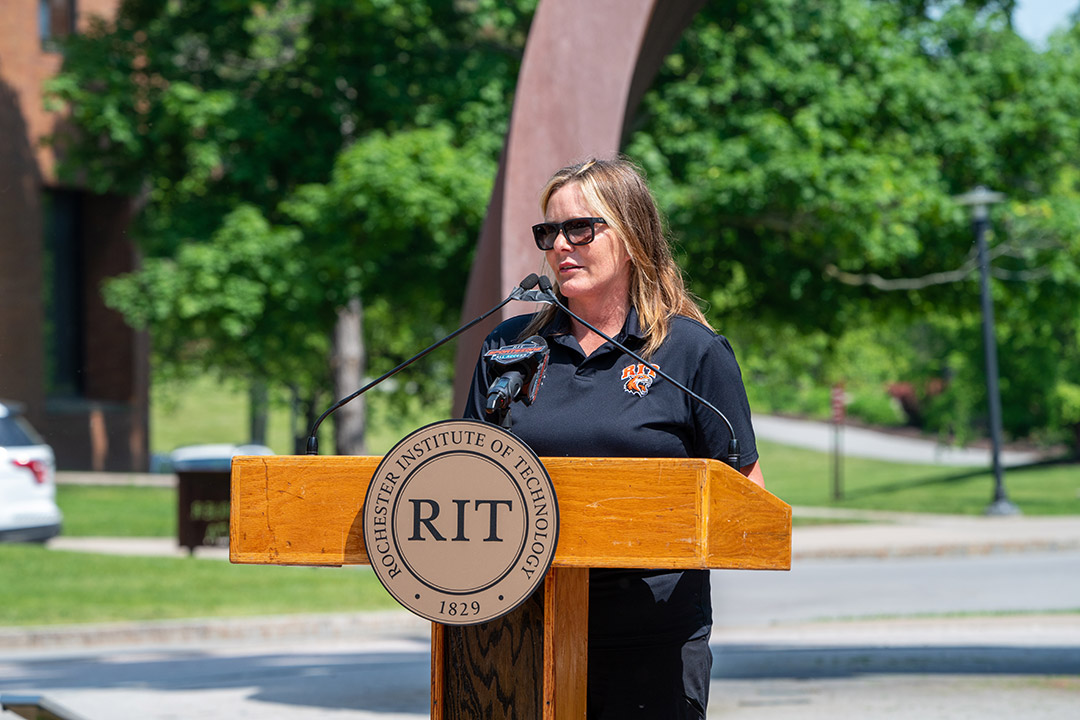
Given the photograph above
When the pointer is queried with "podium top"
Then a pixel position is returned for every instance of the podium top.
(615, 513)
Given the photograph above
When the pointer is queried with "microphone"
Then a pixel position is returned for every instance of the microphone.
(549, 296)
(515, 372)
(516, 294)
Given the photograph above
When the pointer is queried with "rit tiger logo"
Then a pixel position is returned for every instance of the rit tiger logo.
(638, 378)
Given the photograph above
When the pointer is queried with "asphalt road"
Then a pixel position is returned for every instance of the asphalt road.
(832, 638)
(988, 632)
(829, 589)
(965, 636)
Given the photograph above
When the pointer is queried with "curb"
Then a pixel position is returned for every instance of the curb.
(950, 550)
(330, 626)
(859, 441)
(127, 479)
(886, 535)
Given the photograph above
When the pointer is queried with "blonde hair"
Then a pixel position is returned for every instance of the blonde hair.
(616, 190)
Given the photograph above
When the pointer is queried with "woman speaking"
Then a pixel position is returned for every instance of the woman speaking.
(603, 241)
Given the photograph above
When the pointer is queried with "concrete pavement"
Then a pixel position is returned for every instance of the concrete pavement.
(863, 442)
(797, 432)
(375, 666)
(860, 534)
(855, 533)
(363, 666)
(915, 669)
(870, 534)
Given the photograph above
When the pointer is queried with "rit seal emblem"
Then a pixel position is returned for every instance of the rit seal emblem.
(638, 378)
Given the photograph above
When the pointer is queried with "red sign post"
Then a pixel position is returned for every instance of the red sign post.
(839, 411)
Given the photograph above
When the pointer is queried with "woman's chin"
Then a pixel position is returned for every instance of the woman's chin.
(572, 286)
(571, 291)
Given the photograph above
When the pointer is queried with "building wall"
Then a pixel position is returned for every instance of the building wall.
(22, 69)
(103, 426)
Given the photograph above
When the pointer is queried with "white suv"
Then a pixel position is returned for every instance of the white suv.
(28, 511)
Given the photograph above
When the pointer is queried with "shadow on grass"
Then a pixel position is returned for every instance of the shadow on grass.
(873, 490)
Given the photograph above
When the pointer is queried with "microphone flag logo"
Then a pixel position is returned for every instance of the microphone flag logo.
(510, 353)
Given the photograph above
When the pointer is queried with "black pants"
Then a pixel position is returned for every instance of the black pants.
(665, 682)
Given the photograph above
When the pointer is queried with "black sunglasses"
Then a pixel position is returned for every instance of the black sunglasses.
(578, 231)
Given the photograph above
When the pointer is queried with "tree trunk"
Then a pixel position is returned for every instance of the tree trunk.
(348, 363)
(296, 420)
(258, 409)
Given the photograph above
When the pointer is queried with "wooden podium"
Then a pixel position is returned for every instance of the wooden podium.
(614, 513)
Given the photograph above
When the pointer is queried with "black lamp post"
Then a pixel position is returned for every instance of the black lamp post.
(979, 199)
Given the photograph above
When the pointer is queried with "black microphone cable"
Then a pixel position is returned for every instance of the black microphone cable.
(517, 293)
(733, 453)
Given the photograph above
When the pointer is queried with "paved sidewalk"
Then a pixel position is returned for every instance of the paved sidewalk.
(78, 477)
(375, 666)
(797, 432)
(861, 442)
(884, 534)
(146, 547)
(349, 668)
(856, 533)
(313, 628)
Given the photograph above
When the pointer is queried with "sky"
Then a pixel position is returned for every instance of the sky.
(1034, 20)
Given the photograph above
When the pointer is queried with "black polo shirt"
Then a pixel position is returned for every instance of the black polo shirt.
(609, 405)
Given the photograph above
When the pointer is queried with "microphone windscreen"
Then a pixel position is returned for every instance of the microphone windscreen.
(529, 282)
(545, 283)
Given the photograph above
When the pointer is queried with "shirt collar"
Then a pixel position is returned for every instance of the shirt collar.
(560, 325)
(632, 326)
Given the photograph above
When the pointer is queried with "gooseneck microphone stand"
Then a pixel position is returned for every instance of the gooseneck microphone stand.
(518, 293)
(733, 455)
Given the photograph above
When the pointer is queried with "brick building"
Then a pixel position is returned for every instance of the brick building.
(79, 369)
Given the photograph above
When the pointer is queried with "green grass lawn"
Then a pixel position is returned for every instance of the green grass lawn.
(117, 511)
(209, 411)
(800, 477)
(804, 477)
(40, 587)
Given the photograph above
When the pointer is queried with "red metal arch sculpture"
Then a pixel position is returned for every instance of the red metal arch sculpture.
(586, 67)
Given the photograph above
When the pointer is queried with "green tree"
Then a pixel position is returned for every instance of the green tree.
(808, 153)
(220, 118)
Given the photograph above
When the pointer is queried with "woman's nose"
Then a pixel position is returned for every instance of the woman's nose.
(562, 244)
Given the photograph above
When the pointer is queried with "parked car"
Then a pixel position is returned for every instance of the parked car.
(28, 510)
(212, 457)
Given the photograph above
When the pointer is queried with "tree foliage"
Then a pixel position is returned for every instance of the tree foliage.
(803, 148)
(288, 155)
